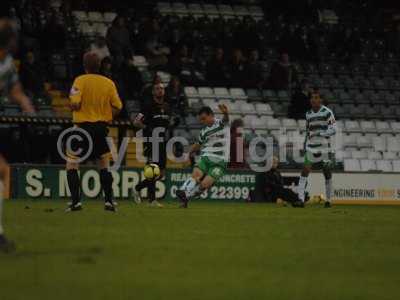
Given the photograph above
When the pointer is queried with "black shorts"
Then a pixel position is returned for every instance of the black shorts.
(160, 155)
(91, 142)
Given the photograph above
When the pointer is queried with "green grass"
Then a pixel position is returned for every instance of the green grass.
(209, 251)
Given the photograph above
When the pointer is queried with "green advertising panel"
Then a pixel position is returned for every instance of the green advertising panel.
(38, 182)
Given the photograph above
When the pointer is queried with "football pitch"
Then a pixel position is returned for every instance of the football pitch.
(209, 251)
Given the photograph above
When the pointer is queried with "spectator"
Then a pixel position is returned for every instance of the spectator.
(181, 61)
(236, 68)
(253, 70)
(216, 69)
(156, 51)
(174, 95)
(300, 102)
(100, 48)
(118, 40)
(31, 73)
(53, 36)
(106, 68)
(147, 91)
(130, 79)
(283, 73)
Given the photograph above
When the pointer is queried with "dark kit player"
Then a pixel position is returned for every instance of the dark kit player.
(155, 119)
(94, 101)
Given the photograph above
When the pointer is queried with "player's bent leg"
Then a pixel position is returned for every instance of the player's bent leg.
(74, 185)
(106, 181)
(190, 187)
(206, 183)
(328, 183)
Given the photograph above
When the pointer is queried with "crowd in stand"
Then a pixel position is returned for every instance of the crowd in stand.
(202, 52)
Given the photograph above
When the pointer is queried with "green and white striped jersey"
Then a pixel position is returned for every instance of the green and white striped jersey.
(320, 126)
(215, 141)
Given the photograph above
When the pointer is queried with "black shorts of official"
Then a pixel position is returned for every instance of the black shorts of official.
(159, 157)
(92, 142)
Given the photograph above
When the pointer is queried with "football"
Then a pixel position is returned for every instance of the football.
(151, 171)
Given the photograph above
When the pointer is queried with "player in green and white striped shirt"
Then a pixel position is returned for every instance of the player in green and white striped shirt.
(214, 146)
(320, 127)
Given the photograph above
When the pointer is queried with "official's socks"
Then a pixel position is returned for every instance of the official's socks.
(74, 185)
(301, 189)
(1, 207)
(328, 189)
(106, 180)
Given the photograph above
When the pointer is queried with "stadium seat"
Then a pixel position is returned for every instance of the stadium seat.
(109, 17)
(274, 124)
(140, 61)
(81, 16)
(205, 92)
(263, 109)
(95, 16)
(396, 166)
(364, 142)
(210, 9)
(225, 10)
(179, 8)
(283, 95)
(191, 91)
(379, 143)
(383, 127)
(342, 154)
(393, 145)
(302, 124)
(249, 120)
(374, 155)
(238, 93)
(368, 126)
(247, 109)
(240, 10)
(389, 155)
(359, 154)
(195, 9)
(259, 122)
(289, 124)
(222, 92)
(352, 165)
(352, 126)
(368, 165)
(395, 126)
(254, 94)
(194, 103)
(384, 166)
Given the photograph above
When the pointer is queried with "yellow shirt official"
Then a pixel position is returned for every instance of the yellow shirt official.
(97, 96)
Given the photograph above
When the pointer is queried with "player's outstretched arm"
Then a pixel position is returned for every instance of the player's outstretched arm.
(224, 110)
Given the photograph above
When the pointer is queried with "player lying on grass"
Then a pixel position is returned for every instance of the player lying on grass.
(9, 87)
(320, 127)
(214, 146)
